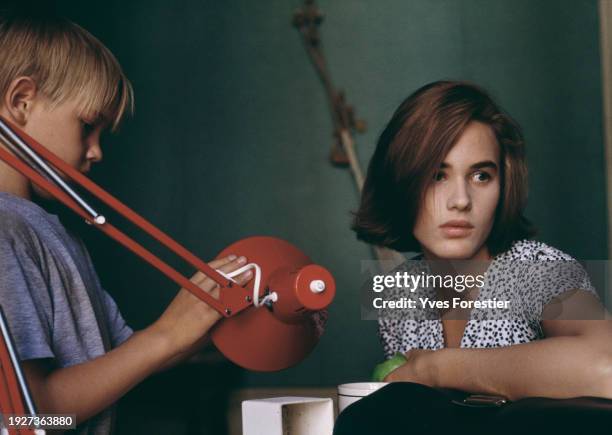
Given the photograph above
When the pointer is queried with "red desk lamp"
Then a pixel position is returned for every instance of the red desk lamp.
(271, 324)
(15, 398)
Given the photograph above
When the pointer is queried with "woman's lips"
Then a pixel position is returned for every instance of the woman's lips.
(456, 229)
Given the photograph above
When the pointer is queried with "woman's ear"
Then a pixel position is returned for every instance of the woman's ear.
(19, 99)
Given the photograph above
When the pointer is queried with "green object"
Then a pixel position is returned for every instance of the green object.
(382, 370)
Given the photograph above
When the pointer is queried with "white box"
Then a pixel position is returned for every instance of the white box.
(288, 416)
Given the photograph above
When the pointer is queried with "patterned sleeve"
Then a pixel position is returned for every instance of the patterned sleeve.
(558, 276)
(386, 332)
(392, 324)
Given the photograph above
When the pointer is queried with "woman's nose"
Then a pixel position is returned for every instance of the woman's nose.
(459, 197)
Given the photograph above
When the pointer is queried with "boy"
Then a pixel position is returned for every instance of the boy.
(63, 87)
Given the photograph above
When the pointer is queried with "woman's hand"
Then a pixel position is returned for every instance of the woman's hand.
(187, 319)
(417, 368)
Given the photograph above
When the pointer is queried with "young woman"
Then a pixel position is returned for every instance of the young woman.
(448, 179)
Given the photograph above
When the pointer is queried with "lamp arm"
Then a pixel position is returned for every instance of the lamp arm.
(229, 302)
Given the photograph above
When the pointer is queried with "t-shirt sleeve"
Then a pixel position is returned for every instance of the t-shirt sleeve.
(119, 329)
(25, 299)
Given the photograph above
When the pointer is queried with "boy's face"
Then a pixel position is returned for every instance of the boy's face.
(72, 137)
(60, 128)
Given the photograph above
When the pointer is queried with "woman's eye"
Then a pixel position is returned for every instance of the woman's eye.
(481, 177)
(439, 176)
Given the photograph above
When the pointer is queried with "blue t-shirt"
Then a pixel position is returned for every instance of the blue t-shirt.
(51, 294)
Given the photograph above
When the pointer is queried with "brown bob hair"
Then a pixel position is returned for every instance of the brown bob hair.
(409, 152)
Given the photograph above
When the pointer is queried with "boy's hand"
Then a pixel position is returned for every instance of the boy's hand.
(88, 388)
(187, 319)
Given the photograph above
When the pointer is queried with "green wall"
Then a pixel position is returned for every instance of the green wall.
(231, 132)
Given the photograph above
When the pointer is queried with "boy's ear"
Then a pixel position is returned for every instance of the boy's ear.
(19, 99)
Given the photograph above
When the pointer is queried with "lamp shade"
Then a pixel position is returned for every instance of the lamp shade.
(279, 334)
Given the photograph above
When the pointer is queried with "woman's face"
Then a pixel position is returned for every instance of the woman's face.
(457, 214)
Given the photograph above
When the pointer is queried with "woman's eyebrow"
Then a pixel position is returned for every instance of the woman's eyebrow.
(484, 164)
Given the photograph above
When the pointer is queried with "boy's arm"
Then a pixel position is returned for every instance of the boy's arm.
(88, 388)
(185, 356)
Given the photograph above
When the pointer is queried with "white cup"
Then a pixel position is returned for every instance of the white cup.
(351, 393)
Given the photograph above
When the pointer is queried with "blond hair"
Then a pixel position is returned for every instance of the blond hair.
(66, 62)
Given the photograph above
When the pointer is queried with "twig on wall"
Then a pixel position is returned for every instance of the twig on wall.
(307, 21)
